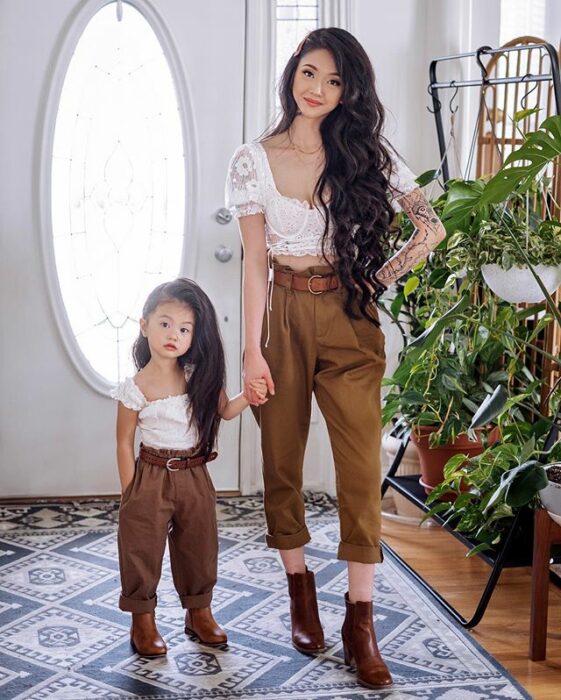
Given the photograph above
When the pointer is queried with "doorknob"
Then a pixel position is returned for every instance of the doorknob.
(223, 253)
(223, 216)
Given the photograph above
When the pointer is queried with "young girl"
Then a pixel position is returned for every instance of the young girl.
(313, 202)
(176, 400)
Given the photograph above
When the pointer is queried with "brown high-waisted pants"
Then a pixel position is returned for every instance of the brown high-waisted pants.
(180, 507)
(315, 347)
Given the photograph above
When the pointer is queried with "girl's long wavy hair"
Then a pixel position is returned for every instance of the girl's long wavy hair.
(357, 166)
(204, 359)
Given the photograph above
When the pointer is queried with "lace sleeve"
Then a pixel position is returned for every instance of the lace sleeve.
(401, 181)
(243, 188)
(129, 395)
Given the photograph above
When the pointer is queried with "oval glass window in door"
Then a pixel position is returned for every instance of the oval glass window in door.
(117, 185)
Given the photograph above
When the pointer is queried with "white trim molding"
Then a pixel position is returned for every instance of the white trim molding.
(336, 13)
(42, 194)
(260, 52)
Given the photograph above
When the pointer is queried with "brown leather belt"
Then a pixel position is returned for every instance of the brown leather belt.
(316, 284)
(173, 464)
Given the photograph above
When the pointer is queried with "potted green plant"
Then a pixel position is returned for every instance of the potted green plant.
(443, 376)
(466, 206)
(493, 253)
(550, 494)
(497, 226)
(493, 485)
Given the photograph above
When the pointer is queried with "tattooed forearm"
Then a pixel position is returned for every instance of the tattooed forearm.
(428, 234)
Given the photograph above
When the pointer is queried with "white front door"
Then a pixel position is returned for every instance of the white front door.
(56, 429)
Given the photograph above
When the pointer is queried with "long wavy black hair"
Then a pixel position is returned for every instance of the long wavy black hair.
(357, 166)
(203, 362)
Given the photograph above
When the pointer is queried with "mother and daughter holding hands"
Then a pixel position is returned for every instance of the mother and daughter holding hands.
(314, 203)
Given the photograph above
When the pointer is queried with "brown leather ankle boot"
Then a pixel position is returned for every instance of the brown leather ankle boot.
(200, 623)
(359, 644)
(307, 632)
(145, 638)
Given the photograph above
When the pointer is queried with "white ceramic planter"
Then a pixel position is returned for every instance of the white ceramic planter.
(518, 285)
(550, 497)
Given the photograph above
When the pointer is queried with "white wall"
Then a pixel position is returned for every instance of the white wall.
(41, 411)
(402, 37)
(393, 35)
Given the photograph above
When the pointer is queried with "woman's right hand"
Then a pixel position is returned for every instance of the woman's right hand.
(255, 367)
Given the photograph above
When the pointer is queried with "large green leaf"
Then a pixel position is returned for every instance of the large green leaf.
(462, 199)
(490, 408)
(432, 333)
(524, 164)
(426, 177)
(525, 485)
(531, 474)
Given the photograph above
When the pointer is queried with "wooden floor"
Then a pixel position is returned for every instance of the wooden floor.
(503, 632)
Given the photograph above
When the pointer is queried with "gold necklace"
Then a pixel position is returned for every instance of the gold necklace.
(301, 150)
(298, 148)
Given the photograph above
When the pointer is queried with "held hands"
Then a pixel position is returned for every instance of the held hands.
(256, 370)
(259, 388)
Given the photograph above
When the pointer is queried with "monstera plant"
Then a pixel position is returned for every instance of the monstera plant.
(497, 227)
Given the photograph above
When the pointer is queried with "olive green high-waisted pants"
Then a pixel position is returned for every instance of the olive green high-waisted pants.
(315, 347)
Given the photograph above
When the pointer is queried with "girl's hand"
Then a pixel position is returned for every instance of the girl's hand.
(255, 368)
(259, 386)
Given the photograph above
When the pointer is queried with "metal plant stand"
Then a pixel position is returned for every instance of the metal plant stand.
(520, 532)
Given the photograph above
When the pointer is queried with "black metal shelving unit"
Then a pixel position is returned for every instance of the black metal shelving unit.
(504, 557)
(408, 486)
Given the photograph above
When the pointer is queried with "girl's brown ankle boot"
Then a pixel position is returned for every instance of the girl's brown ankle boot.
(360, 646)
(307, 632)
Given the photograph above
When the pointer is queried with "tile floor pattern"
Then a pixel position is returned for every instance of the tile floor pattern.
(62, 636)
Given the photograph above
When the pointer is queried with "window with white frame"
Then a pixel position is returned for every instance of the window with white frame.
(117, 185)
(522, 18)
(295, 18)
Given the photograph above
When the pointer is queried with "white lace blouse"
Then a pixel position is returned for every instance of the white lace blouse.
(292, 227)
(163, 423)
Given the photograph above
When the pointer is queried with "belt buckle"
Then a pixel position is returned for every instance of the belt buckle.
(319, 277)
(173, 459)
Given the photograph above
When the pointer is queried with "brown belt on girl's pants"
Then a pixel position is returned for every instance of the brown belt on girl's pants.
(174, 463)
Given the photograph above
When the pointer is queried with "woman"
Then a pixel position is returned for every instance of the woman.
(312, 200)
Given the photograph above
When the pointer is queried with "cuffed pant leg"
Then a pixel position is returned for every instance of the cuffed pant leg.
(347, 388)
(143, 523)
(285, 418)
(193, 538)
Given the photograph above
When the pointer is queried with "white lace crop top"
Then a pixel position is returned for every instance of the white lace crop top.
(163, 423)
(292, 227)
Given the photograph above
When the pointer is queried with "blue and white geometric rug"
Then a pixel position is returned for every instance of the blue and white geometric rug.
(62, 636)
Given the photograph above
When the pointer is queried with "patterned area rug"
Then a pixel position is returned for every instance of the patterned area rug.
(62, 636)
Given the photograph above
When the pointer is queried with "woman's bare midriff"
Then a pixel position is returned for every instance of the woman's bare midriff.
(299, 263)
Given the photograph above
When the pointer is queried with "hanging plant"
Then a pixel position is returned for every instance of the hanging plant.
(503, 265)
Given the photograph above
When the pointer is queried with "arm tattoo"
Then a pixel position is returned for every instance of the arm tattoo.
(428, 233)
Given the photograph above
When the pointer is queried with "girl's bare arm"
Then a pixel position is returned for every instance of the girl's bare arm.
(429, 232)
(126, 428)
(230, 408)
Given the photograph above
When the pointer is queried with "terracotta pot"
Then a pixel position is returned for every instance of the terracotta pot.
(433, 459)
